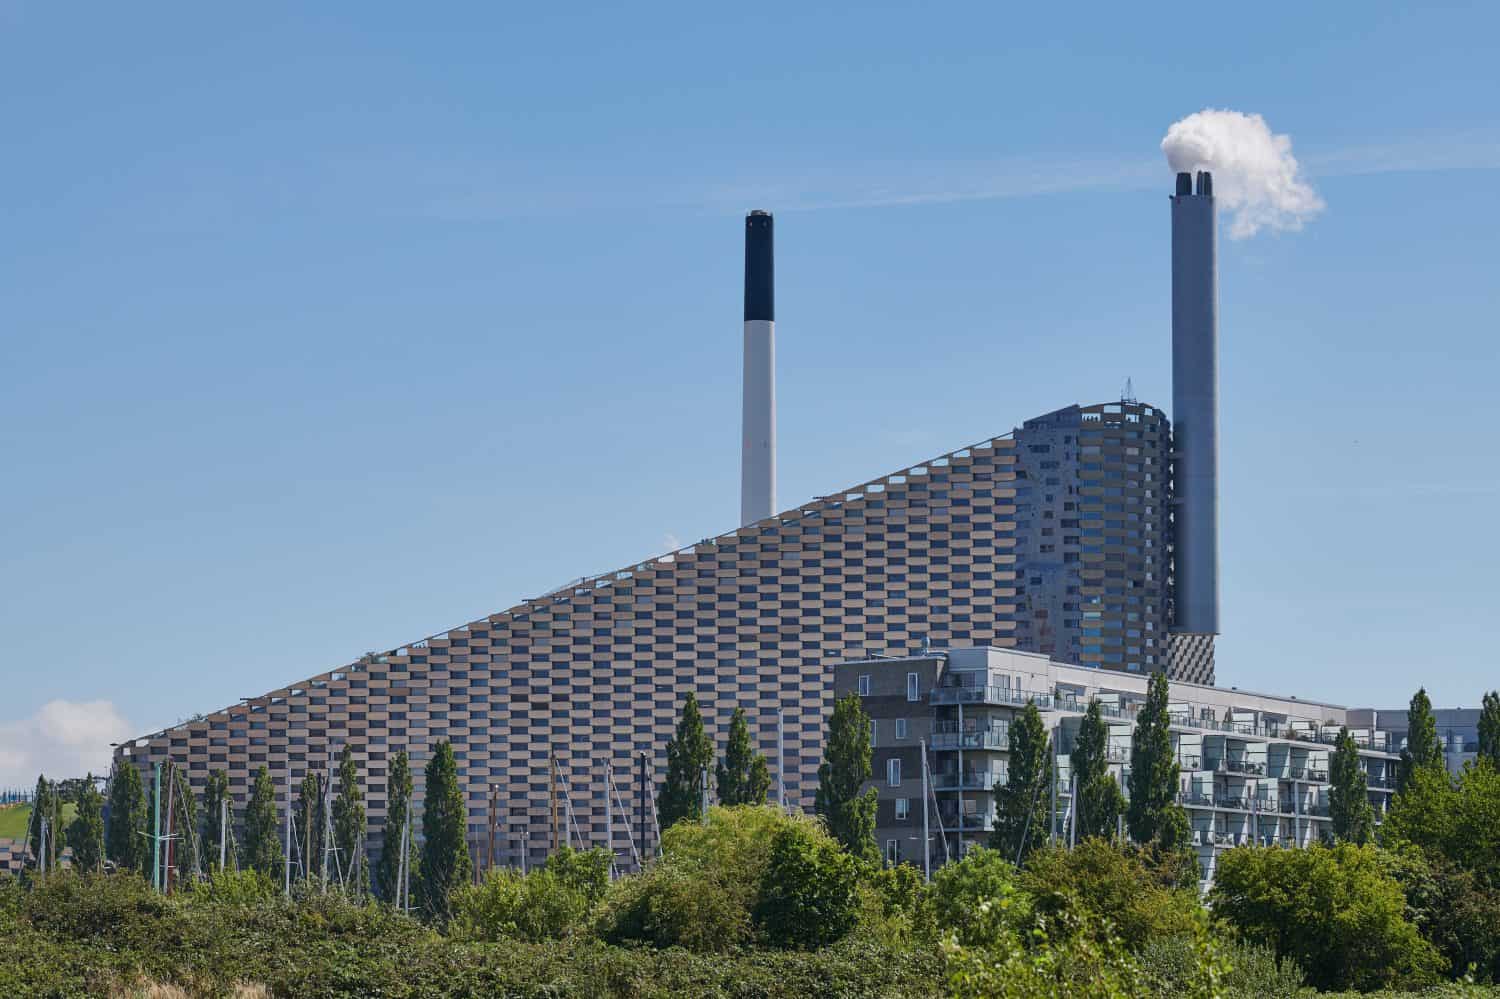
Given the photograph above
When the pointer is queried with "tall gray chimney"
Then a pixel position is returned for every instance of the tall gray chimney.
(758, 419)
(1195, 426)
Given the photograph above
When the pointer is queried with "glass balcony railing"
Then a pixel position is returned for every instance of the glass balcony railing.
(976, 740)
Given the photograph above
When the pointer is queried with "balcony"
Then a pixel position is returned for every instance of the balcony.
(974, 780)
(979, 739)
(988, 695)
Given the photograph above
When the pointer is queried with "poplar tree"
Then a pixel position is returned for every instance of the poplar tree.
(1153, 813)
(46, 806)
(215, 793)
(397, 810)
(743, 777)
(86, 831)
(125, 840)
(261, 850)
(689, 753)
(1098, 800)
(310, 820)
(1023, 801)
(184, 827)
(349, 823)
(849, 812)
(445, 849)
(1348, 793)
(1423, 747)
(1489, 729)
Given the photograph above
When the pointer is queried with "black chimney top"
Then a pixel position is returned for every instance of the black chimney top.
(1184, 184)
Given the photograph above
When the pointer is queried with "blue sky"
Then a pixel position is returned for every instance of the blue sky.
(324, 331)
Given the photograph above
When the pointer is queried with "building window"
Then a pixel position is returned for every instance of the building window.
(901, 728)
(903, 809)
(872, 731)
(892, 852)
(893, 772)
(864, 685)
(912, 693)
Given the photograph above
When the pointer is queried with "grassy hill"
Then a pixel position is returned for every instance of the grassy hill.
(15, 818)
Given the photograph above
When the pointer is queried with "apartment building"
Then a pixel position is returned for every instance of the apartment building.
(1254, 767)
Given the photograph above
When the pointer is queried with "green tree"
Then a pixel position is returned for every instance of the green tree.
(689, 753)
(397, 811)
(1423, 747)
(960, 889)
(1348, 793)
(1489, 729)
(849, 812)
(1023, 801)
(45, 826)
(1457, 821)
(125, 838)
(261, 850)
(1334, 910)
(1099, 798)
(1115, 883)
(445, 849)
(86, 831)
(349, 823)
(310, 825)
(215, 829)
(1153, 813)
(808, 895)
(743, 777)
(184, 828)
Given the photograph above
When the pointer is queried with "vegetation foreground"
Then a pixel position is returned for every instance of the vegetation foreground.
(750, 903)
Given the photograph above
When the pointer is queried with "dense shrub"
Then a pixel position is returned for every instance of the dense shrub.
(807, 897)
(536, 906)
(959, 890)
(1334, 910)
(702, 892)
(1113, 884)
(671, 906)
(1068, 955)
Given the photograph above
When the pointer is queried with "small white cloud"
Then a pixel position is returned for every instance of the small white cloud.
(63, 739)
(671, 542)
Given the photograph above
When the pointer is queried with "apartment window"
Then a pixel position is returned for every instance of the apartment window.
(872, 731)
(892, 852)
(864, 685)
(912, 693)
(903, 809)
(893, 772)
(901, 728)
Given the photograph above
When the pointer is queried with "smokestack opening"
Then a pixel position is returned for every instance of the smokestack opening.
(1205, 184)
(1184, 184)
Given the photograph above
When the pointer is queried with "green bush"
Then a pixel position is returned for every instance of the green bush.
(807, 896)
(536, 906)
(672, 906)
(960, 889)
(1255, 972)
(703, 890)
(1334, 910)
(227, 887)
(1114, 884)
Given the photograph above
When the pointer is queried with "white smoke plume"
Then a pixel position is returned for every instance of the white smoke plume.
(1256, 177)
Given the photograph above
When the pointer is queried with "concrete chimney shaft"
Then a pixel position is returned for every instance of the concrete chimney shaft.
(758, 416)
(1195, 405)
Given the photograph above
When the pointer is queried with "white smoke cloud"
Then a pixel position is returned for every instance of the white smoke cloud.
(1256, 177)
(63, 739)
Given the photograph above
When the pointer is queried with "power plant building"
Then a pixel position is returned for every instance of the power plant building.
(1058, 538)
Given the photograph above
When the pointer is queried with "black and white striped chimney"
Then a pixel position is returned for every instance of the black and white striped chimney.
(758, 423)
